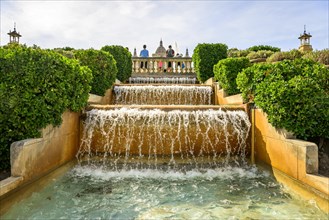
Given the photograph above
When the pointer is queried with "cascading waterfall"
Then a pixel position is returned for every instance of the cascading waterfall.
(163, 95)
(157, 187)
(154, 137)
(164, 80)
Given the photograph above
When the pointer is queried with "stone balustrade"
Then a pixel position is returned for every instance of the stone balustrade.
(162, 65)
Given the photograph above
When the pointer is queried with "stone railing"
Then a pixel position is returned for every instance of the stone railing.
(162, 65)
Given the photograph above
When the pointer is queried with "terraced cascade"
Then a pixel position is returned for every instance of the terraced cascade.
(145, 94)
(165, 121)
(162, 155)
(142, 134)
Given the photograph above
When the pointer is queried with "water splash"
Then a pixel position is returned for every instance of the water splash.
(164, 80)
(163, 95)
(160, 139)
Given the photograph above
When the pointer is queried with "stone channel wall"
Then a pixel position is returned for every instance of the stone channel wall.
(293, 162)
(34, 158)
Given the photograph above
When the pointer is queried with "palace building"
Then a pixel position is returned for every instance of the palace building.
(160, 64)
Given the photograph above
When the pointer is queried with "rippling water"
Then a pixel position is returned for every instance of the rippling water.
(99, 192)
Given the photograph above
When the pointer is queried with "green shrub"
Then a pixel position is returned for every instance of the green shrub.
(103, 67)
(295, 96)
(249, 78)
(264, 47)
(320, 56)
(287, 55)
(65, 52)
(259, 54)
(205, 56)
(235, 53)
(123, 60)
(36, 87)
(226, 72)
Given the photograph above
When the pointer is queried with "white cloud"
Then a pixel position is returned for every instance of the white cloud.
(85, 24)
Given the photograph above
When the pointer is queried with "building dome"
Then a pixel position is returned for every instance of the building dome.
(160, 51)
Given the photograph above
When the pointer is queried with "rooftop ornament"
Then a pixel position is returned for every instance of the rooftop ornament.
(14, 35)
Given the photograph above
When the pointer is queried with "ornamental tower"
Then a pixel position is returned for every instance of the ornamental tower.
(14, 35)
(305, 43)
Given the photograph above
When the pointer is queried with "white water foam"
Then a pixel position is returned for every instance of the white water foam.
(230, 173)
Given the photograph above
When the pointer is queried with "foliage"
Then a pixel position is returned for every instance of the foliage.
(226, 72)
(103, 67)
(294, 94)
(254, 52)
(36, 87)
(248, 78)
(286, 55)
(65, 52)
(205, 56)
(234, 52)
(68, 48)
(123, 60)
(320, 56)
(259, 54)
(264, 47)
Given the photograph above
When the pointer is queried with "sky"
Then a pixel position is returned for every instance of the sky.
(183, 24)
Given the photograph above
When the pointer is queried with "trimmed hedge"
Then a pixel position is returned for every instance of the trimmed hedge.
(264, 47)
(36, 87)
(286, 55)
(103, 67)
(248, 78)
(226, 72)
(259, 54)
(205, 56)
(123, 60)
(234, 53)
(294, 94)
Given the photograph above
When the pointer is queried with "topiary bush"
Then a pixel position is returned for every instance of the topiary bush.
(205, 56)
(320, 56)
(123, 60)
(103, 67)
(295, 96)
(36, 87)
(226, 72)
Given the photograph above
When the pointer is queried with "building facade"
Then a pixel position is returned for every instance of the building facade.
(160, 64)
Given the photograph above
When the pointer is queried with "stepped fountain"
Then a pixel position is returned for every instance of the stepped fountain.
(190, 135)
(163, 95)
(164, 151)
